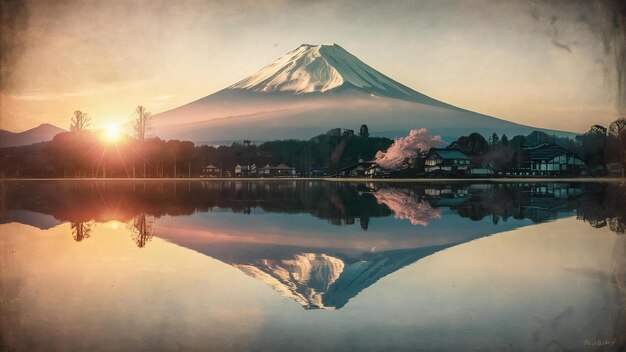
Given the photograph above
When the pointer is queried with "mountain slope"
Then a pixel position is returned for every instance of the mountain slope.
(41, 133)
(312, 89)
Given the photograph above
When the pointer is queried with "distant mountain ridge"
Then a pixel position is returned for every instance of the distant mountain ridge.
(41, 133)
(314, 88)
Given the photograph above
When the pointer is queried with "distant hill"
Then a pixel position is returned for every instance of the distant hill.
(41, 133)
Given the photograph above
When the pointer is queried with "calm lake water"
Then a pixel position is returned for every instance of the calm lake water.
(311, 266)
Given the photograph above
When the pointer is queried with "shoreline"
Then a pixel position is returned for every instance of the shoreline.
(346, 179)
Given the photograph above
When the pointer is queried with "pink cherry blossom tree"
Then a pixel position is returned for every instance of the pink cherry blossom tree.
(406, 148)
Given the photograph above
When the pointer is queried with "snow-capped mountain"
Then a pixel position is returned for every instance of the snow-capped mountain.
(315, 88)
(321, 68)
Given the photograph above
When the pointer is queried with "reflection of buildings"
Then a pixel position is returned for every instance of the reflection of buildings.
(447, 197)
(327, 271)
(548, 200)
(535, 201)
(339, 203)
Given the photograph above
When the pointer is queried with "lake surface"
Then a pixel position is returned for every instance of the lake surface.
(311, 266)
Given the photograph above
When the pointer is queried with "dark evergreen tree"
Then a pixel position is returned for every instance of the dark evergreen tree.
(364, 131)
(494, 140)
(474, 144)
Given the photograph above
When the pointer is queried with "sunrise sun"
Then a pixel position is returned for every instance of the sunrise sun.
(112, 133)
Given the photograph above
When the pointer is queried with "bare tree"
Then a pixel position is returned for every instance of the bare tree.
(141, 122)
(80, 121)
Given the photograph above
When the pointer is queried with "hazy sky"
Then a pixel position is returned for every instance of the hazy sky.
(549, 65)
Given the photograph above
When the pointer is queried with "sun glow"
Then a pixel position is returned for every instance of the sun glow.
(114, 224)
(112, 133)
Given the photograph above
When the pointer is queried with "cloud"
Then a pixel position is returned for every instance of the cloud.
(47, 96)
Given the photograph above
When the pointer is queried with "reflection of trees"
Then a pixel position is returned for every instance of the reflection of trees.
(122, 201)
(365, 222)
(142, 229)
(341, 203)
(617, 224)
(604, 205)
(81, 230)
(405, 206)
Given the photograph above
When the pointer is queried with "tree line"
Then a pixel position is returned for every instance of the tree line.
(82, 152)
(597, 147)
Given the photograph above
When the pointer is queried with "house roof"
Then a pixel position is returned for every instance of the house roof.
(364, 164)
(283, 167)
(450, 154)
(545, 151)
(210, 166)
(277, 167)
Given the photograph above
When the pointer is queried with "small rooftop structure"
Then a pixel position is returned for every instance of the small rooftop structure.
(545, 151)
(449, 154)
(211, 171)
(355, 169)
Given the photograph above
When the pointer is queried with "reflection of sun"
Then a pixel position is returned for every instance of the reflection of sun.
(113, 225)
(112, 133)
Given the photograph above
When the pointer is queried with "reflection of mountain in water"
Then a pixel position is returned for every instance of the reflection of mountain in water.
(363, 273)
(330, 271)
(316, 279)
(305, 278)
(32, 218)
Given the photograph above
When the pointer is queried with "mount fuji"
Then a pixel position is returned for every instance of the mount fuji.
(315, 88)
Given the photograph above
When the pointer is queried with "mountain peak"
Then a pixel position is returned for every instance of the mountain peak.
(318, 45)
(320, 68)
